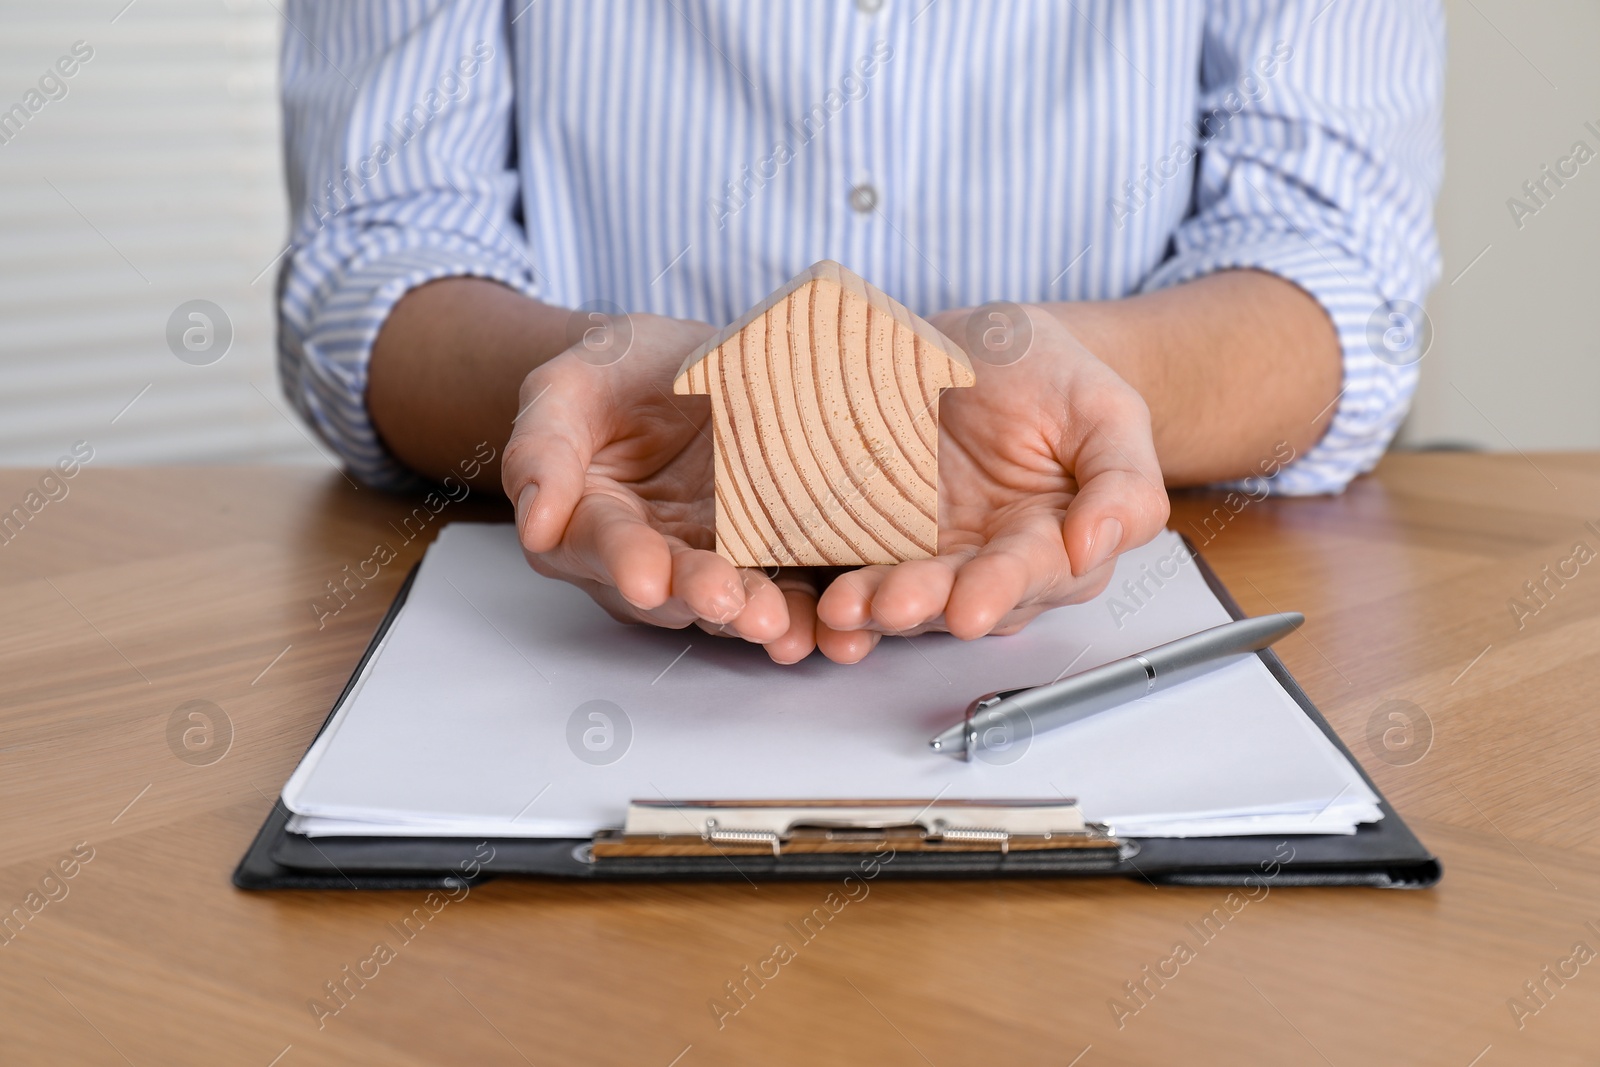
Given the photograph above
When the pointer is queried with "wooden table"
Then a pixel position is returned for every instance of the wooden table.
(144, 590)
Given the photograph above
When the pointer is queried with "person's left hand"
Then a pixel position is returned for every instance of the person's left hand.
(1047, 471)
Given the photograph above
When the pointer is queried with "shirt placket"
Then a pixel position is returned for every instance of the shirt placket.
(859, 197)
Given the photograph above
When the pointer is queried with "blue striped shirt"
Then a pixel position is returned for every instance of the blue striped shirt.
(686, 157)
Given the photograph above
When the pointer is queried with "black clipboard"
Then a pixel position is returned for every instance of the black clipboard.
(1385, 854)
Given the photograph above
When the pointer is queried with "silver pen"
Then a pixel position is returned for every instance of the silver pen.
(999, 718)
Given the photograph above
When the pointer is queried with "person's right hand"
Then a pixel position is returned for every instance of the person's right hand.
(611, 474)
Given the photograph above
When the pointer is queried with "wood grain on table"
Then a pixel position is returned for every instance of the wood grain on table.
(145, 591)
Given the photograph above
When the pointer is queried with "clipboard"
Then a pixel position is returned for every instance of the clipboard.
(820, 840)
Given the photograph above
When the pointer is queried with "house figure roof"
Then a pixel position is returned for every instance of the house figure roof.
(825, 418)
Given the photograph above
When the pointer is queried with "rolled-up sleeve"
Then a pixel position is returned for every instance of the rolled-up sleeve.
(399, 152)
(1320, 154)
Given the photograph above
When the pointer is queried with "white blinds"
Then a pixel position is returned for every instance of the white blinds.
(149, 178)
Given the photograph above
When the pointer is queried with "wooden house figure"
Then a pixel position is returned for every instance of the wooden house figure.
(825, 419)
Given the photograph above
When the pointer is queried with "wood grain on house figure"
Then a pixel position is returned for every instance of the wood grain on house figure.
(825, 401)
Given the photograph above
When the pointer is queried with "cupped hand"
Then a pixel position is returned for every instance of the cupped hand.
(611, 474)
(1047, 471)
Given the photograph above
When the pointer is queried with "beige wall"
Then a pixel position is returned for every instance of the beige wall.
(1515, 361)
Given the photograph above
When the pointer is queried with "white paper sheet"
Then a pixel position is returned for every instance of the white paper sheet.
(471, 718)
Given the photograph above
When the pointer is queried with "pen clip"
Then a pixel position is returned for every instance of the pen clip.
(989, 700)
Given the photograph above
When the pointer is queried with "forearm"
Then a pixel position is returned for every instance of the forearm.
(1231, 365)
(446, 368)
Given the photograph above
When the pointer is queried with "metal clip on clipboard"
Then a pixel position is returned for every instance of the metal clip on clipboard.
(665, 828)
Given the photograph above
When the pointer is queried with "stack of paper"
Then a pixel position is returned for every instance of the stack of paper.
(506, 704)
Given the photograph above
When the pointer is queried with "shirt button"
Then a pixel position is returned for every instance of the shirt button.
(869, 7)
(864, 198)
